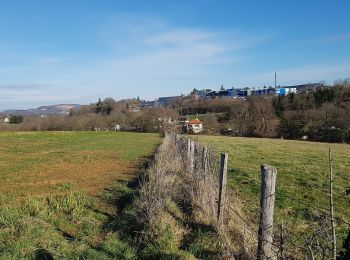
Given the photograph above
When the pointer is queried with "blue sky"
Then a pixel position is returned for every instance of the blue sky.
(60, 51)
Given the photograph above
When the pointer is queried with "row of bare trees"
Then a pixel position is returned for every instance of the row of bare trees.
(103, 115)
(319, 115)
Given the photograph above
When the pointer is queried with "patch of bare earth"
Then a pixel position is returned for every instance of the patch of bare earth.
(92, 177)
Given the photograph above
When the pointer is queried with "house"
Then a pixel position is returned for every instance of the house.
(285, 91)
(244, 92)
(194, 126)
(6, 120)
(165, 119)
(133, 106)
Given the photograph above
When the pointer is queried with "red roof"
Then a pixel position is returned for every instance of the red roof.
(194, 122)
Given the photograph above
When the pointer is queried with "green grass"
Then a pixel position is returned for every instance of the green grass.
(302, 174)
(61, 190)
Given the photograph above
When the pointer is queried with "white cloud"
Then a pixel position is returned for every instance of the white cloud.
(179, 37)
(139, 57)
(167, 59)
(340, 37)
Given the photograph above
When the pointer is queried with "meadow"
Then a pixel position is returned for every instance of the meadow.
(302, 178)
(60, 192)
(69, 194)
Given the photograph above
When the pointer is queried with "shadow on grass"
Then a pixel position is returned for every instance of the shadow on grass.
(43, 254)
(125, 223)
(199, 240)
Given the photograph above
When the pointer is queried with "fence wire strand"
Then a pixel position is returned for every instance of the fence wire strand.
(202, 172)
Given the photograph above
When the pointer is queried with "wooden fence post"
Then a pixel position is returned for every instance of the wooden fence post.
(222, 188)
(205, 161)
(192, 157)
(331, 205)
(267, 205)
(190, 154)
(176, 138)
(188, 149)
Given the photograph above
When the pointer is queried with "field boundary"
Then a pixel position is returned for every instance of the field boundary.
(267, 239)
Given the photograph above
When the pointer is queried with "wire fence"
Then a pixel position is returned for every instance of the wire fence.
(205, 176)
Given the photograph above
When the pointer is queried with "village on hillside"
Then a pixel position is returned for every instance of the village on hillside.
(223, 93)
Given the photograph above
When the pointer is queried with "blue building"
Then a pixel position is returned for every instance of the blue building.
(167, 101)
(232, 92)
(245, 92)
(264, 91)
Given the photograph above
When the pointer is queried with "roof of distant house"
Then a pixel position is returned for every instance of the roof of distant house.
(194, 122)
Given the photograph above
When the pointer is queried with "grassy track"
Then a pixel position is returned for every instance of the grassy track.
(58, 189)
(302, 174)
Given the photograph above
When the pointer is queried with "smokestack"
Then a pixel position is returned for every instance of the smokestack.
(275, 80)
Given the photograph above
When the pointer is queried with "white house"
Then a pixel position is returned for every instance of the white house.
(194, 126)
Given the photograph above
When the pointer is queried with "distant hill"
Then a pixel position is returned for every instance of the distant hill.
(61, 109)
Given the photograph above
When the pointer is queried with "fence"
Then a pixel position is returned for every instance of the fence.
(267, 238)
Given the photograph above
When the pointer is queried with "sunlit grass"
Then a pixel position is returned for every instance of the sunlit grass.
(57, 192)
(302, 174)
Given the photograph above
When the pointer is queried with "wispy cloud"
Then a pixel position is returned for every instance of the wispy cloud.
(139, 56)
(190, 56)
(179, 37)
(341, 37)
(49, 60)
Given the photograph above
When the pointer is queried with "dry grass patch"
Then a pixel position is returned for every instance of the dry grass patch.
(59, 192)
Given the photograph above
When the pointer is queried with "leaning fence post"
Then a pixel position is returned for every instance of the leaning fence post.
(222, 188)
(205, 161)
(267, 205)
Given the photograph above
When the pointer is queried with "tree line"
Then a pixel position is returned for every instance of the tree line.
(319, 115)
(322, 114)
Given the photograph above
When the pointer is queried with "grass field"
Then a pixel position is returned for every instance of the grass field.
(58, 191)
(302, 174)
(61, 192)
